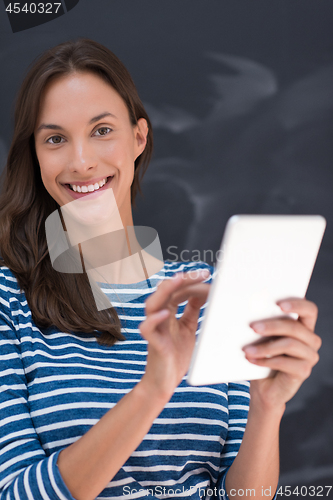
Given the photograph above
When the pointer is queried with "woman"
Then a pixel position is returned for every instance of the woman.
(85, 414)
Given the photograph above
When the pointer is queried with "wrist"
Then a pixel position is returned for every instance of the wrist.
(263, 410)
(266, 400)
(152, 392)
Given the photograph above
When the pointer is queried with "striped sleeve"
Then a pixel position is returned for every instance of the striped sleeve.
(26, 473)
(238, 405)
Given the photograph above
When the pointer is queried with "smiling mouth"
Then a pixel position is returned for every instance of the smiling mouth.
(90, 188)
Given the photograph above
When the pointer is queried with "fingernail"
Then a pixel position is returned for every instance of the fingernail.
(285, 306)
(205, 273)
(163, 313)
(253, 360)
(258, 327)
(250, 350)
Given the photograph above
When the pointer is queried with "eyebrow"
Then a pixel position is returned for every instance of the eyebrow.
(52, 126)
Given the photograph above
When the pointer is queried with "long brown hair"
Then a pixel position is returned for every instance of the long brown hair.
(56, 299)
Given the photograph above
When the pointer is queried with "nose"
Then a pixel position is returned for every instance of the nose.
(82, 157)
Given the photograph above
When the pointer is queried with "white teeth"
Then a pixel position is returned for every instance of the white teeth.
(90, 188)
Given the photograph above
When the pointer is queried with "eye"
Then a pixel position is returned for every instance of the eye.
(55, 139)
(102, 131)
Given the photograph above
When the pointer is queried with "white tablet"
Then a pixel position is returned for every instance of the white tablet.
(263, 259)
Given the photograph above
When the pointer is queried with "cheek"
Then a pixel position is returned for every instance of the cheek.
(120, 155)
(45, 172)
(49, 169)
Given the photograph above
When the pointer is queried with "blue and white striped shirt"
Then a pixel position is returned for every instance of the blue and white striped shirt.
(55, 386)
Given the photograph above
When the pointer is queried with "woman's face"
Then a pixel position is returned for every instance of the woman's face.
(85, 140)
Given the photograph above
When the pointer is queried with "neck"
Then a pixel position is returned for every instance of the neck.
(107, 241)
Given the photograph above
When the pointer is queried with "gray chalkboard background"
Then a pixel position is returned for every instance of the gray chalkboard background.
(240, 93)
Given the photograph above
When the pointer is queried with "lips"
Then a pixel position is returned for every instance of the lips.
(76, 194)
(84, 188)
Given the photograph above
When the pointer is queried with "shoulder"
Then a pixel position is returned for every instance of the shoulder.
(8, 287)
(13, 302)
(8, 284)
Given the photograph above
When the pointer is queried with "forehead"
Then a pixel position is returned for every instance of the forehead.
(80, 95)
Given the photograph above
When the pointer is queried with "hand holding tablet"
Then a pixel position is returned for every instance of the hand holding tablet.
(265, 259)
